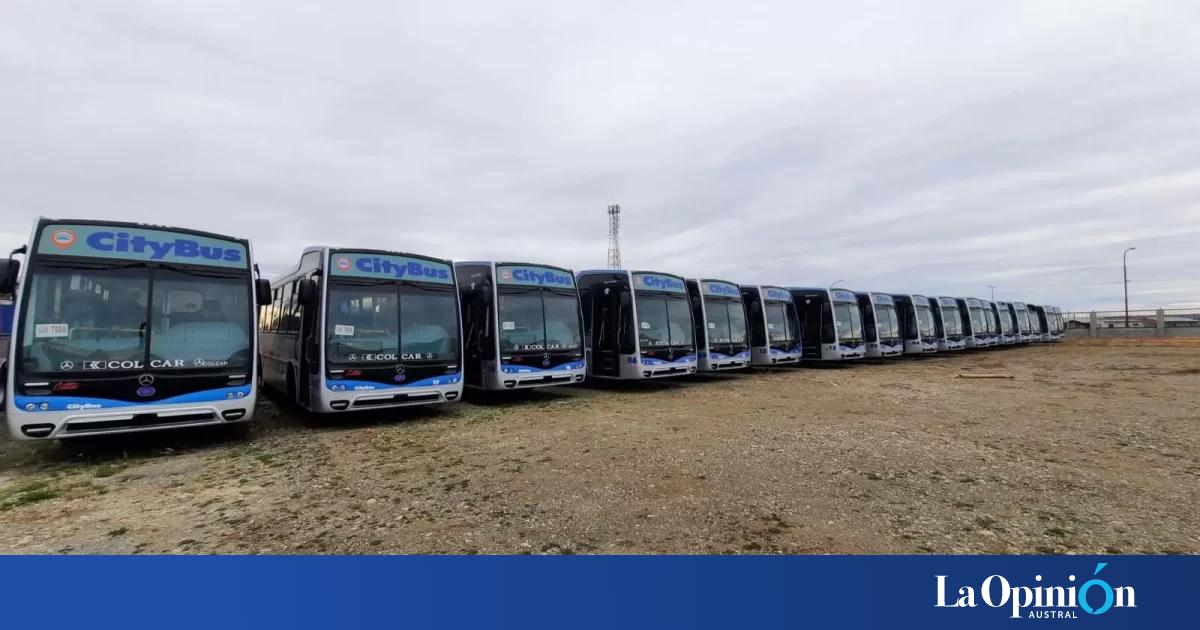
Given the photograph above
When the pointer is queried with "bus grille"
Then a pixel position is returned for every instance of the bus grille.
(139, 420)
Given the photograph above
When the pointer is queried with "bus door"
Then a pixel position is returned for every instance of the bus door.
(310, 356)
(607, 321)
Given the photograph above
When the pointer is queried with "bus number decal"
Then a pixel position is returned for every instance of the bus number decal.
(343, 330)
(51, 330)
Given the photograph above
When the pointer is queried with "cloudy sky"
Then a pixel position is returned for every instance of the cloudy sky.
(903, 146)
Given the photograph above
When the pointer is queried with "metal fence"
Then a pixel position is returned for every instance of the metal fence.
(1156, 323)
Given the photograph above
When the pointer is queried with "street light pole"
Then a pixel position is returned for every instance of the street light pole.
(1125, 274)
(993, 288)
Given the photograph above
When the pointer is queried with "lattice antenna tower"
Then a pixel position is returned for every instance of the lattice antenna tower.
(614, 236)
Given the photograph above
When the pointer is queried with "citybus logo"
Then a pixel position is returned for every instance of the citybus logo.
(62, 239)
(719, 288)
(1095, 596)
(539, 278)
(343, 263)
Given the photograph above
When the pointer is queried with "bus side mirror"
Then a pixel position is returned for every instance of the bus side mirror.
(9, 269)
(262, 292)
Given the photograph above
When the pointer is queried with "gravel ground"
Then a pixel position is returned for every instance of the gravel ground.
(1091, 448)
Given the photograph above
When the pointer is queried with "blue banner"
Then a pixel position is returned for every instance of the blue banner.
(718, 288)
(601, 592)
(533, 276)
(126, 243)
(644, 280)
(381, 266)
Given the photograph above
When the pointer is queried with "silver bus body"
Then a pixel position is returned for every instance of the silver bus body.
(774, 327)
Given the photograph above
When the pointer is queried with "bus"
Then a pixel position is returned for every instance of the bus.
(774, 327)
(125, 327)
(993, 316)
(916, 324)
(881, 325)
(977, 323)
(719, 317)
(521, 325)
(1054, 314)
(949, 324)
(1010, 332)
(636, 324)
(1024, 323)
(353, 329)
(830, 324)
(1039, 322)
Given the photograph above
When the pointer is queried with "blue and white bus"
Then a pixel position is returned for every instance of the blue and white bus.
(949, 324)
(830, 324)
(1010, 332)
(124, 327)
(977, 323)
(352, 329)
(1054, 314)
(881, 325)
(521, 325)
(719, 316)
(636, 324)
(774, 327)
(916, 323)
(1024, 323)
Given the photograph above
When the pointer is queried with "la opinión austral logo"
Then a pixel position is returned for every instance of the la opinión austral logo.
(1040, 600)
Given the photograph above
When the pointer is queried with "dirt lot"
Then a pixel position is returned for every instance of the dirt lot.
(1091, 448)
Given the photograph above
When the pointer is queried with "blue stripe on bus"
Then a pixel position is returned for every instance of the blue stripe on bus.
(353, 385)
(73, 403)
(741, 355)
(509, 368)
(688, 358)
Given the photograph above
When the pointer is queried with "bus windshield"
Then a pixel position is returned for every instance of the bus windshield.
(925, 321)
(726, 321)
(780, 330)
(980, 322)
(104, 319)
(536, 320)
(952, 320)
(849, 321)
(663, 321)
(389, 322)
(886, 322)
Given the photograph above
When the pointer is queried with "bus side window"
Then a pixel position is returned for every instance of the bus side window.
(827, 333)
(626, 339)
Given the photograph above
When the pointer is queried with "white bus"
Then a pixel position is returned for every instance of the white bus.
(774, 327)
(636, 324)
(977, 323)
(1054, 314)
(352, 329)
(916, 324)
(1010, 332)
(1024, 323)
(830, 324)
(881, 325)
(719, 317)
(123, 327)
(949, 323)
(521, 325)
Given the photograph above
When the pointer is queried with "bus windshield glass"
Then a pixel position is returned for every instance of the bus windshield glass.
(952, 320)
(980, 322)
(849, 321)
(536, 320)
(780, 330)
(663, 320)
(726, 321)
(925, 321)
(104, 319)
(886, 322)
(388, 322)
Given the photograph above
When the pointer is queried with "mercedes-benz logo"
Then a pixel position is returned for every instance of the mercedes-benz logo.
(399, 369)
(546, 359)
(66, 365)
(146, 380)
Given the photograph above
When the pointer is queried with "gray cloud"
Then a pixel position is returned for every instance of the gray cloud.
(927, 147)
